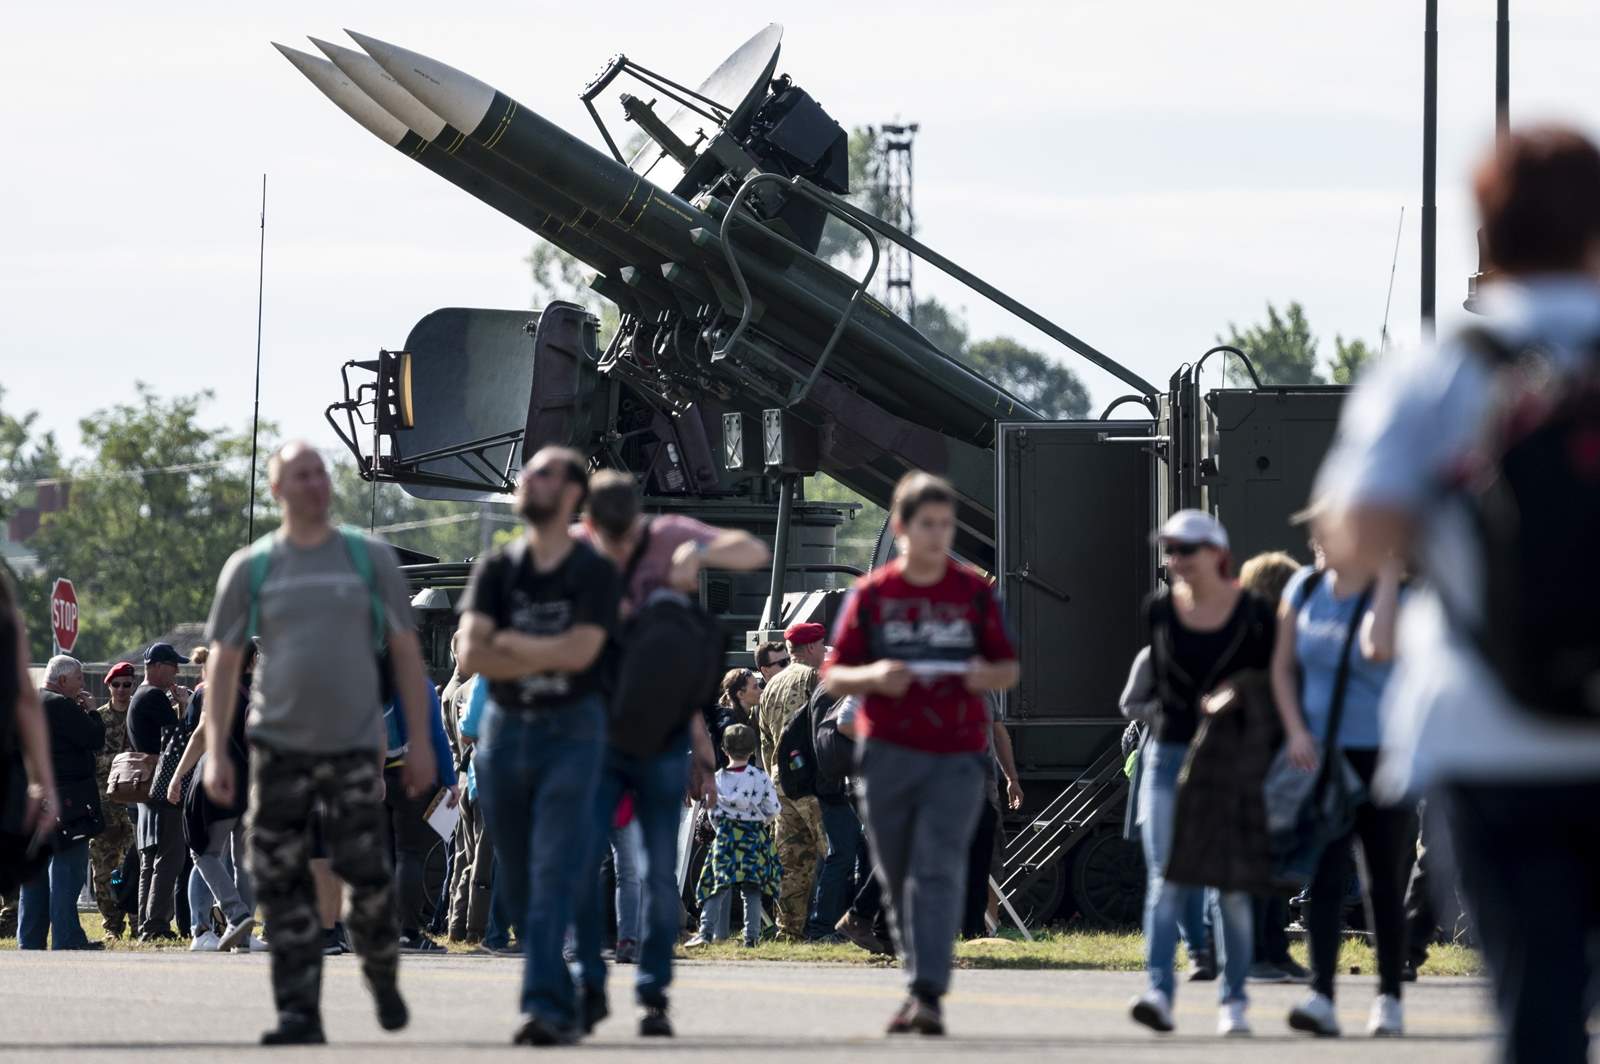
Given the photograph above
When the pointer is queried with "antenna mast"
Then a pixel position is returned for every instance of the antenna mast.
(892, 183)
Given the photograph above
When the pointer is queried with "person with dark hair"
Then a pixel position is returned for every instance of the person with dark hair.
(771, 659)
(158, 704)
(741, 856)
(1201, 632)
(921, 640)
(738, 695)
(534, 620)
(109, 849)
(313, 593)
(1487, 712)
(661, 555)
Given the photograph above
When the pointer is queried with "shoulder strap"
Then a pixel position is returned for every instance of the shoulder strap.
(636, 557)
(1341, 682)
(355, 544)
(1303, 594)
(260, 561)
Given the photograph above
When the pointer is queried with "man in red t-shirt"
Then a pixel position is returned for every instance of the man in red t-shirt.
(922, 639)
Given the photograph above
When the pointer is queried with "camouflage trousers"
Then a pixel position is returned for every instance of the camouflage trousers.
(801, 844)
(107, 851)
(285, 788)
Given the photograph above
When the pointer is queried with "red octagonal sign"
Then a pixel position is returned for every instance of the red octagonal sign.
(64, 613)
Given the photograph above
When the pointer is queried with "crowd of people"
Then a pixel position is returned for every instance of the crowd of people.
(853, 781)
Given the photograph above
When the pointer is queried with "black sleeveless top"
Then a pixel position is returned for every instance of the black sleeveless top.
(1188, 664)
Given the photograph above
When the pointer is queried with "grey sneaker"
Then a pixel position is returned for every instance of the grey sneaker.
(1315, 1015)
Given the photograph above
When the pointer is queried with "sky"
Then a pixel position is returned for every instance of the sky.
(1142, 174)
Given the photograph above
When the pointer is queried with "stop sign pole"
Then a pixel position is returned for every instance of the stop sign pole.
(63, 615)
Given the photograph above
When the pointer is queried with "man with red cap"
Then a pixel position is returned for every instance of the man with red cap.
(799, 838)
(109, 849)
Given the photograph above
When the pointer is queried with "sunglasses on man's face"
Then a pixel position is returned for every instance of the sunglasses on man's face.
(1184, 550)
(776, 663)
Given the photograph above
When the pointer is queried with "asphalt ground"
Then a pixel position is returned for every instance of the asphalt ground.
(94, 1007)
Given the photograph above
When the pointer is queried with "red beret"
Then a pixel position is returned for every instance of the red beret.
(801, 634)
(121, 668)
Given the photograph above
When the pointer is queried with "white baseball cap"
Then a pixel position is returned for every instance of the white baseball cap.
(1193, 526)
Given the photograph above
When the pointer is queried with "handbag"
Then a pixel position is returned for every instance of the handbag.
(81, 816)
(174, 738)
(128, 782)
(1307, 811)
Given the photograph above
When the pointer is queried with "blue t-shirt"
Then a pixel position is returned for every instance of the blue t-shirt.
(470, 723)
(1321, 625)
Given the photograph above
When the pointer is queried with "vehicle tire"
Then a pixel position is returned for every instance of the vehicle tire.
(1108, 880)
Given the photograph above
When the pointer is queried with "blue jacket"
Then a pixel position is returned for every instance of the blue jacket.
(394, 723)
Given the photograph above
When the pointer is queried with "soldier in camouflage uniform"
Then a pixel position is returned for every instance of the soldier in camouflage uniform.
(799, 837)
(108, 849)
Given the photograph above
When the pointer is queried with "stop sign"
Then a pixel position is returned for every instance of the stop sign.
(64, 613)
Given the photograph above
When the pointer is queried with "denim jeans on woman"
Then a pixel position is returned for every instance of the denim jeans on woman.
(1165, 903)
(536, 770)
(49, 901)
(627, 857)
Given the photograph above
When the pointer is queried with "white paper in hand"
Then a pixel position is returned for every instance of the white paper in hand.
(442, 816)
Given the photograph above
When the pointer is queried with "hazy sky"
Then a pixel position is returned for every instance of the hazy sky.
(1140, 173)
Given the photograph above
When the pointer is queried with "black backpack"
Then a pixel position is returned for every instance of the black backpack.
(797, 755)
(1534, 497)
(833, 753)
(667, 670)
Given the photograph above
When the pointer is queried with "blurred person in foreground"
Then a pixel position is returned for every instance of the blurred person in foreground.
(27, 773)
(1428, 465)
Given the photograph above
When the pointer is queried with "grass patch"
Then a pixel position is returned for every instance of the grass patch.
(1061, 949)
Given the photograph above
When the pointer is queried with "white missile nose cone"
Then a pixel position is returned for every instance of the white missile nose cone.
(460, 99)
(349, 99)
(373, 80)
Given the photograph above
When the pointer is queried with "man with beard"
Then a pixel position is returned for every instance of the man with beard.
(534, 620)
(108, 849)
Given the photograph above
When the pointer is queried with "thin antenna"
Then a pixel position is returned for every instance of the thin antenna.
(255, 418)
(1383, 333)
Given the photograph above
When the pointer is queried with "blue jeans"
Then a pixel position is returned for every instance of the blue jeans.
(535, 770)
(1166, 903)
(627, 846)
(658, 784)
(832, 897)
(717, 913)
(497, 929)
(49, 901)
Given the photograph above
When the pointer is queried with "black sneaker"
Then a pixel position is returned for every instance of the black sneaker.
(1297, 972)
(653, 1022)
(419, 943)
(392, 1012)
(1205, 967)
(1408, 974)
(536, 1032)
(592, 1008)
(295, 1030)
(332, 943)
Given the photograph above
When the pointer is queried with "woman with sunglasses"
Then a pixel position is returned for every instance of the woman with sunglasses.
(108, 849)
(1203, 630)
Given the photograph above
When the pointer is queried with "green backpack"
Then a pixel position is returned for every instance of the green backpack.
(355, 544)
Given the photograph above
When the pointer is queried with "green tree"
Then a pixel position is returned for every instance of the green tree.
(154, 513)
(858, 535)
(1042, 382)
(559, 276)
(1282, 348)
(1349, 359)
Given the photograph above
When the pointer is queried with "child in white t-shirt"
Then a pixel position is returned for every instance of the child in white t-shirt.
(742, 856)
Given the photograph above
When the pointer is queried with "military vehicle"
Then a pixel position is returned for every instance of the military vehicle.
(743, 362)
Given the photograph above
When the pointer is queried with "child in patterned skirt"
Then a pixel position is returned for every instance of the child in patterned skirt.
(742, 855)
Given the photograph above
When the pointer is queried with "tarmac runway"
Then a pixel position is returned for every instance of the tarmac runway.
(90, 1007)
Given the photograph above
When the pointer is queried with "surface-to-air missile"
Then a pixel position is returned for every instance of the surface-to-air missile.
(732, 314)
(745, 359)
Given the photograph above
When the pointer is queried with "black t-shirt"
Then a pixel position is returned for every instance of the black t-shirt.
(1189, 664)
(148, 713)
(506, 587)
